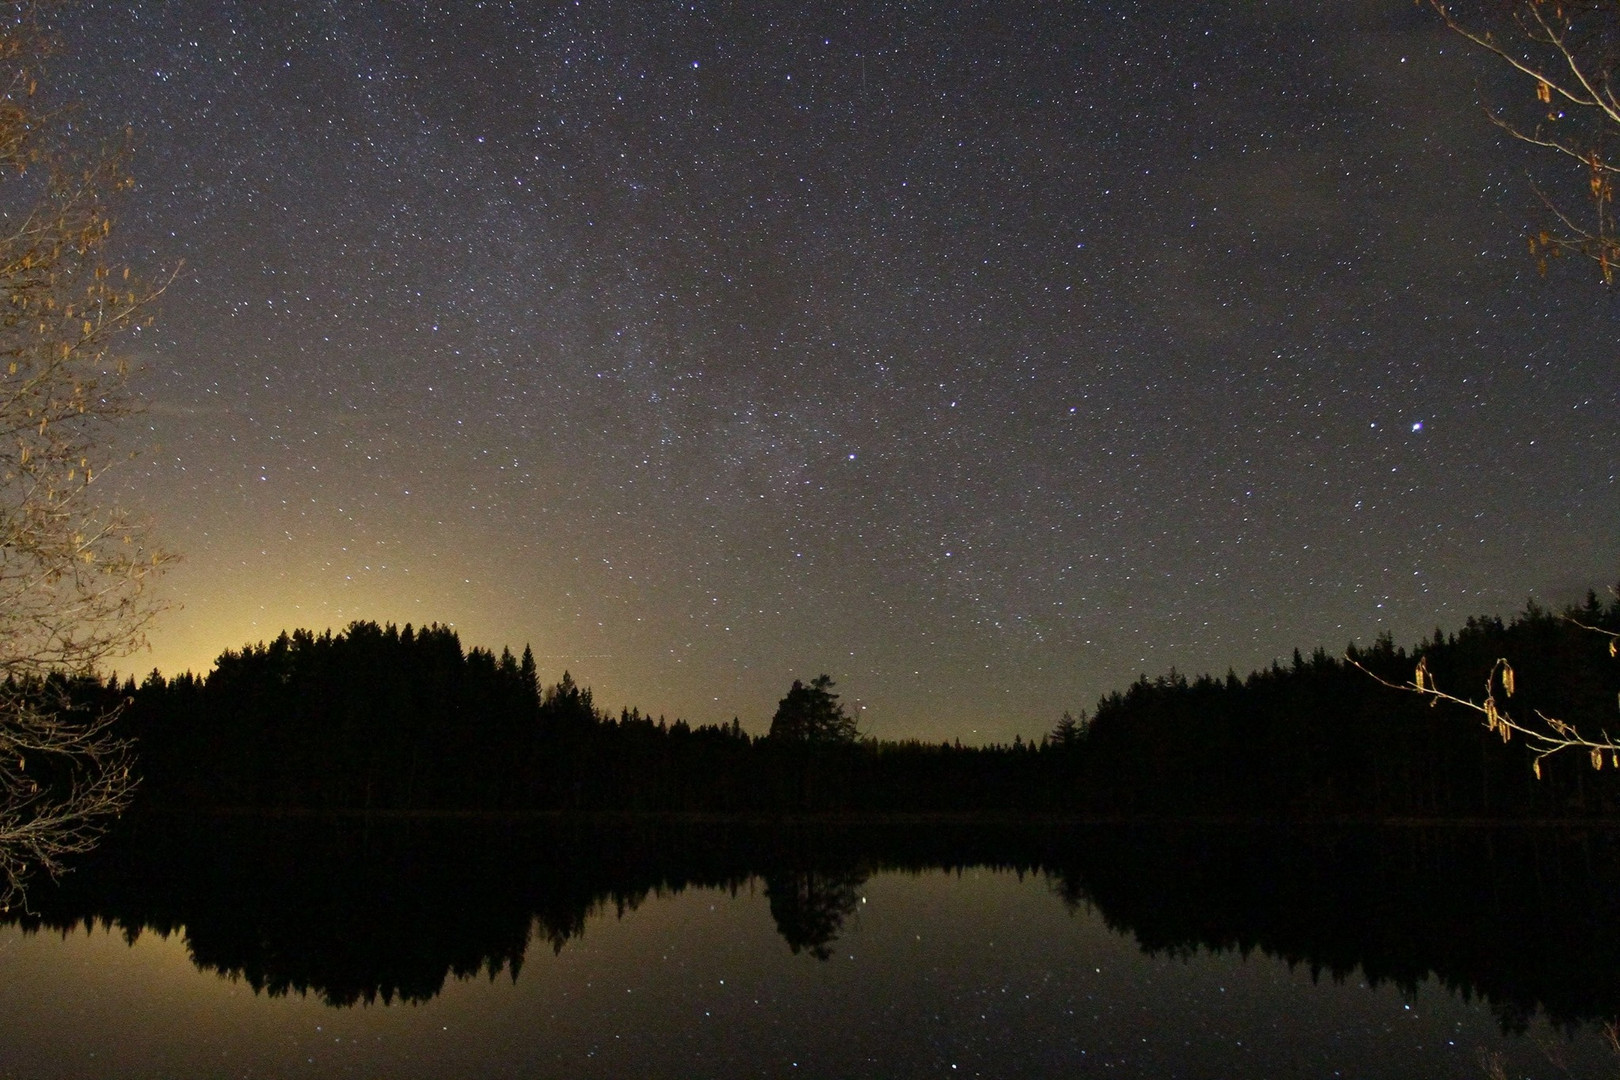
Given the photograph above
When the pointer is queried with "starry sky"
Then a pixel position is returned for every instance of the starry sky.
(984, 356)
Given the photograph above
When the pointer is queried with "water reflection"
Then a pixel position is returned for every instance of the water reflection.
(973, 969)
(810, 906)
(355, 912)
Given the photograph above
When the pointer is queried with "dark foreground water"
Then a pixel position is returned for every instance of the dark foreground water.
(274, 949)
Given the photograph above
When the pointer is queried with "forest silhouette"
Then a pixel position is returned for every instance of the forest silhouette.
(364, 815)
(378, 719)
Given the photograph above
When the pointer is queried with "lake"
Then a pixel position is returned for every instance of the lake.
(304, 948)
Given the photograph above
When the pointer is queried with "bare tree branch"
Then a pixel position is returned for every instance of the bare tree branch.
(1570, 51)
(1546, 735)
(74, 572)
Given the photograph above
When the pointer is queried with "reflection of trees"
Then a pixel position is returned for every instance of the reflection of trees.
(1526, 919)
(810, 906)
(355, 913)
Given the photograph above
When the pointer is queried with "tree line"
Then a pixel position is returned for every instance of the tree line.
(1323, 737)
(383, 719)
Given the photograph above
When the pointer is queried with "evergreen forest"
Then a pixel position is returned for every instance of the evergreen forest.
(386, 720)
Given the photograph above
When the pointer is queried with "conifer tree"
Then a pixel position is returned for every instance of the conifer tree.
(812, 714)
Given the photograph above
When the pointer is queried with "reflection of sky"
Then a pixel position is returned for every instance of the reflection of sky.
(983, 357)
(981, 971)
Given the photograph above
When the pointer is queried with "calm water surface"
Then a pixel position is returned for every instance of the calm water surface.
(938, 973)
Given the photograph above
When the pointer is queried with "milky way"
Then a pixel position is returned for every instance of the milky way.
(981, 355)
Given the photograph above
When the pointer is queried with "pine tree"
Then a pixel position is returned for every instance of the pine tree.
(813, 714)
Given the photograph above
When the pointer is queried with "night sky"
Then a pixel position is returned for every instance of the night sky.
(984, 356)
